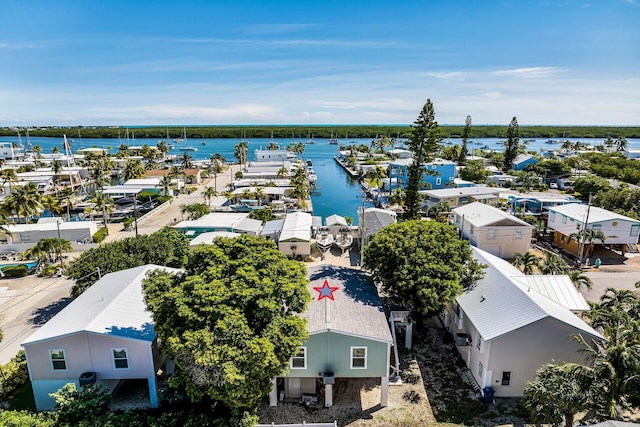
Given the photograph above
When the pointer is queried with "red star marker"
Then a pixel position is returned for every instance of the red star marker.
(325, 291)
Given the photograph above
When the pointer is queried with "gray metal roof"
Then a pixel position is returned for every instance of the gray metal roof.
(356, 308)
(500, 304)
(114, 305)
(481, 215)
(375, 219)
(558, 288)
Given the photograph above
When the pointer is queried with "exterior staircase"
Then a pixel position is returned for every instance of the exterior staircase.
(472, 380)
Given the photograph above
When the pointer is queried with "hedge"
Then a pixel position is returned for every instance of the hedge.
(100, 235)
(16, 271)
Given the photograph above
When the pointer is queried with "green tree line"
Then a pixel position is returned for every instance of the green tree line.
(343, 132)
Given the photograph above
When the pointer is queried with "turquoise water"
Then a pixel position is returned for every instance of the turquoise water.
(337, 192)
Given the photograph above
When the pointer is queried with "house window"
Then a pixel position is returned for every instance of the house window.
(120, 360)
(552, 216)
(438, 181)
(299, 360)
(635, 230)
(471, 230)
(506, 378)
(480, 370)
(564, 219)
(491, 234)
(596, 227)
(479, 341)
(358, 357)
(58, 360)
(517, 234)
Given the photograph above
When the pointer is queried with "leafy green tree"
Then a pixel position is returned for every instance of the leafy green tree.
(194, 210)
(512, 145)
(555, 396)
(423, 143)
(474, 171)
(164, 247)
(264, 214)
(232, 321)
(550, 169)
(421, 264)
(591, 184)
(76, 404)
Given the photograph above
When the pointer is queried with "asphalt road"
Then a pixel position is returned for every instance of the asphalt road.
(26, 304)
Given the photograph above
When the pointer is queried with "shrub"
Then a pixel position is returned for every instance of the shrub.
(16, 271)
(163, 199)
(75, 404)
(100, 235)
(15, 374)
(48, 271)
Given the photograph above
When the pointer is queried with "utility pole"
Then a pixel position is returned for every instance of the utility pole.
(135, 213)
(59, 244)
(583, 238)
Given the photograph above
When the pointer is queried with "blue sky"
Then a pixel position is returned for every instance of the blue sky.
(125, 62)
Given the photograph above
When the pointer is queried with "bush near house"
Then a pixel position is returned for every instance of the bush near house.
(100, 235)
(15, 271)
(14, 374)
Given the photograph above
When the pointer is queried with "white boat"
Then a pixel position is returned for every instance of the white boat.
(184, 136)
(324, 240)
(310, 138)
(333, 140)
(343, 240)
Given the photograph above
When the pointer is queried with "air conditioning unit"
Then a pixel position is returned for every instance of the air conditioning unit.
(87, 378)
(328, 377)
(462, 339)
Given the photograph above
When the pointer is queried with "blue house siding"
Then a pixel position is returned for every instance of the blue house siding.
(524, 163)
(437, 174)
(331, 351)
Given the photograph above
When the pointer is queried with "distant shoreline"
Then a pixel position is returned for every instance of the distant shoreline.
(305, 132)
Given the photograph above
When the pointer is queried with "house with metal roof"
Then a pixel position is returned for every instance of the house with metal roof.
(349, 337)
(371, 220)
(492, 230)
(461, 196)
(48, 227)
(509, 324)
(521, 161)
(295, 236)
(568, 219)
(235, 222)
(104, 336)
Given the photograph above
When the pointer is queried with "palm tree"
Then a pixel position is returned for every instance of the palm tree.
(283, 172)
(240, 152)
(53, 204)
(166, 183)
(588, 236)
(8, 177)
(527, 260)
(553, 264)
(260, 195)
(56, 168)
(133, 169)
(24, 201)
(208, 194)
(396, 197)
(579, 279)
(621, 144)
(186, 161)
(555, 395)
(375, 176)
(609, 143)
(104, 203)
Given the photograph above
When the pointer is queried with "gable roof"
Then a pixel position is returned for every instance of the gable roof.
(480, 214)
(500, 304)
(356, 308)
(114, 306)
(375, 218)
(520, 158)
(296, 226)
(579, 212)
(335, 220)
(461, 191)
(558, 288)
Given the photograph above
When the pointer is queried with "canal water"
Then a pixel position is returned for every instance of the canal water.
(337, 193)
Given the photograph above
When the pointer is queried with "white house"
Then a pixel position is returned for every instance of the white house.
(295, 237)
(507, 326)
(73, 231)
(461, 196)
(104, 336)
(492, 229)
(568, 219)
